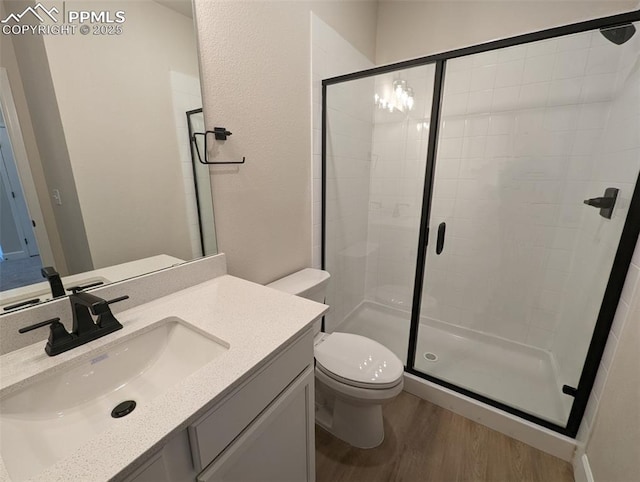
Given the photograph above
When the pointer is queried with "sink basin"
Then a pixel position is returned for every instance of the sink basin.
(51, 418)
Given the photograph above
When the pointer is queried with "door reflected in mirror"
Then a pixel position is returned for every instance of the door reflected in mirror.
(97, 176)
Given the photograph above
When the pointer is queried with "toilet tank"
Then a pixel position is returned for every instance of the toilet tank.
(307, 283)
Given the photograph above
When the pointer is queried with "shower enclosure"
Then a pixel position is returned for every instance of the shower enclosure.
(481, 208)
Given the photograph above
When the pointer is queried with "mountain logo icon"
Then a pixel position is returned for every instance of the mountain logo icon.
(38, 11)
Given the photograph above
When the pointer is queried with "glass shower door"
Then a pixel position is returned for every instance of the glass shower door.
(376, 130)
(516, 262)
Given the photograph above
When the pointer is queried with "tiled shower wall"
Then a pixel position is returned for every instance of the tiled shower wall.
(516, 150)
(349, 120)
(397, 180)
(616, 162)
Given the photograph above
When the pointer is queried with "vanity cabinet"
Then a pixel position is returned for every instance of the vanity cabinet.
(261, 431)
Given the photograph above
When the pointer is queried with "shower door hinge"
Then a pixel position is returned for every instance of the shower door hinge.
(567, 390)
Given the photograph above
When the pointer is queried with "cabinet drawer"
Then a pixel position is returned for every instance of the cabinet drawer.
(217, 428)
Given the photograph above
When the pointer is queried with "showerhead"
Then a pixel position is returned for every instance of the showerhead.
(620, 34)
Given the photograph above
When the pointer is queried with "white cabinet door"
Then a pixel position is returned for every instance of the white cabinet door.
(278, 447)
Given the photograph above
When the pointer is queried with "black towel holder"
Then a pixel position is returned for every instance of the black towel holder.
(220, 134)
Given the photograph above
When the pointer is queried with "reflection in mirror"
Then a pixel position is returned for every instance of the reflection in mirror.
(195, 124)
(97, 177)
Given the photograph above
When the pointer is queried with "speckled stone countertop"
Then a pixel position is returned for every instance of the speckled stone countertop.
(254, 320)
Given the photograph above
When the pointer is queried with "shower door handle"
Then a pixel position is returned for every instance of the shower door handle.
(442, 227)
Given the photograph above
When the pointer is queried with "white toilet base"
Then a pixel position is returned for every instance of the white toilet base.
(357, 421)
(361, 427)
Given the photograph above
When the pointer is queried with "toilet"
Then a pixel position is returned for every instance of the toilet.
(354, 375)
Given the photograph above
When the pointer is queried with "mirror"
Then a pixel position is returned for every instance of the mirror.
(97, 176)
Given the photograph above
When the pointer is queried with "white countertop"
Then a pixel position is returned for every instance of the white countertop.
(253, 319)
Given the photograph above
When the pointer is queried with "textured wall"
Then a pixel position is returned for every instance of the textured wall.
(613, 448)
(255, 60)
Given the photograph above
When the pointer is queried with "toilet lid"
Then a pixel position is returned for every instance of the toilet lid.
(359, 359)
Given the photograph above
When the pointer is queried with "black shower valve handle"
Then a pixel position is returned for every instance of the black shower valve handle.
(605, 203)
(600, 202)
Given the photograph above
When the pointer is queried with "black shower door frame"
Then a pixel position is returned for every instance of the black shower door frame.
(624, 253)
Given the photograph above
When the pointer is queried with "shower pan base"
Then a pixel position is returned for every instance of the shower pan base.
(516, 374)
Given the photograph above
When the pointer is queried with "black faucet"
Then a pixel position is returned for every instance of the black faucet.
(83, 305)
(85, 329)
(53, 277)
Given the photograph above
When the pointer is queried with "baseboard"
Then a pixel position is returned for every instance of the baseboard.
(527, 432)
(582, 469)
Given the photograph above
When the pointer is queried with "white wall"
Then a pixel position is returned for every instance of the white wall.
(255, 60)
(613, 447)
(409, 29)
(349, 128)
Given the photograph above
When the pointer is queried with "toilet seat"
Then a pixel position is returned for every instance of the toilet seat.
(358, 361)
(352, 383)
